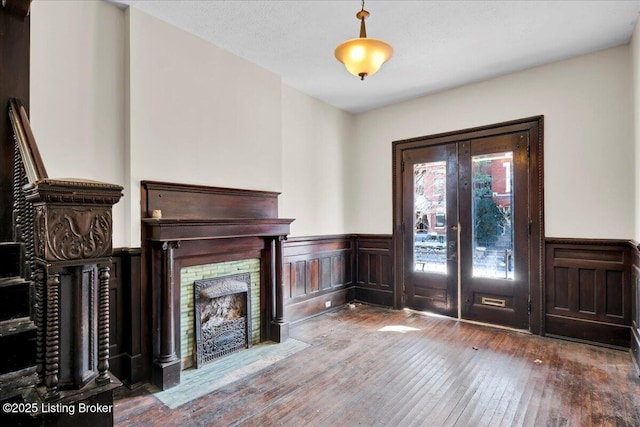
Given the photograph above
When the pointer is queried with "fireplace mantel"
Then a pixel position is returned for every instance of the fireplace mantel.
(170, 229)
(201, 224)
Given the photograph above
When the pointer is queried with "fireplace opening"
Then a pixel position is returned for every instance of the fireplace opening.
(222, 316)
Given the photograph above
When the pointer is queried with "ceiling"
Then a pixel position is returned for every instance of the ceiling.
(438, 44)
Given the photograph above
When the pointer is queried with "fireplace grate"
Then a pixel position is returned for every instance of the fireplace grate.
(222, 316)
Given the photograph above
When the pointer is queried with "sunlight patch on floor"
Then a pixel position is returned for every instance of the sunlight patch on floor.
(398, 328)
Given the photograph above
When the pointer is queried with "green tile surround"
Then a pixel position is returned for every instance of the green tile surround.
(188, 275)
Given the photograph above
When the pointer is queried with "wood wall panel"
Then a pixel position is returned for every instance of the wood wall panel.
(299, 278)
(126, 301)
(14, 83)
(590, 287)
(317, 271)
(326, 273)
(313, 276)
(588, 290)
(116, 321)
(189, 201)
(374, 259)
(635, 326)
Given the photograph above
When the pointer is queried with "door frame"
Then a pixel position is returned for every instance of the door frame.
(535, 127)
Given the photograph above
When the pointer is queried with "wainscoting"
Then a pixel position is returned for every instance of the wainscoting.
(588, 290)
(591, 293)
(374, 258)
(125, 294)
(317, 274)
(635, 325)
(336, 270)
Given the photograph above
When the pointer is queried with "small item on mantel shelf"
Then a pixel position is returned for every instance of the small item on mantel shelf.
(156, 214)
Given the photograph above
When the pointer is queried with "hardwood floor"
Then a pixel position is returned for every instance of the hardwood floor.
(371, 366)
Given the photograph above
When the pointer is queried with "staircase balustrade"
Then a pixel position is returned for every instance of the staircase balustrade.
(65, 226)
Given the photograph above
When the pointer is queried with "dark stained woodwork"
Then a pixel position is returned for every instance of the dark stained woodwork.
(125, 310)
(588, 290)
(635, 303)
(316, 270)
(424, 290)
(437, 372)
(14, 83)
(197, 202)
(163, 230)
(279, 327)
(514, 292)
(67, 260)
(20, 8)
(26, 142)
(72, 244)
(374, 269)
(200, 225)
(534, 127)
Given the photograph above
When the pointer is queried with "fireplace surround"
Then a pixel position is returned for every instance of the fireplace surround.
(201, 225)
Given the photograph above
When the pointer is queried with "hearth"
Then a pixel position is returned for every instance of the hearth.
(222, 316)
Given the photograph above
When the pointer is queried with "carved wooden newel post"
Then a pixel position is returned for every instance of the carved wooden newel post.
(73, 231)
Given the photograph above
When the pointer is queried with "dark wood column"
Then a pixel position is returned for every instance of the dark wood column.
(279, 326)
(166, 368)
(103, 324)
(52, 352)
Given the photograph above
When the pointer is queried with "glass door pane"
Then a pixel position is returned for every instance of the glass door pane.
(492, 203)
(430, 220)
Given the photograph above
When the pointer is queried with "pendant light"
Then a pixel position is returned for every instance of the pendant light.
(363, 56)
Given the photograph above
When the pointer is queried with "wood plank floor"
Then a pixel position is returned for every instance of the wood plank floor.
(371, 366)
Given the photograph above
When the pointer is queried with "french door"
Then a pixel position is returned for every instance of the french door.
(465, 209)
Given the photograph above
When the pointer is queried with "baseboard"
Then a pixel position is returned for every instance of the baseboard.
(635, 349)
(374, 296)
(317, 305)
(611, 335)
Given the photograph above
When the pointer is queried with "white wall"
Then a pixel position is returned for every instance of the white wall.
(199, 114)
(120, 97)
(588, 135)
(128, 97)
(635, 58)
(77, 93)
(314, 135)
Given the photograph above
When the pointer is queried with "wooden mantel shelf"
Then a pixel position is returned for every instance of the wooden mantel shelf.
(171, 229)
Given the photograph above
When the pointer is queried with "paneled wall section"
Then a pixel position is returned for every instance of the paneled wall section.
(592, 290)
(588, 290)
(126, 300)
(635, 325)
(374, 259)
(324, 272)
(317, 274)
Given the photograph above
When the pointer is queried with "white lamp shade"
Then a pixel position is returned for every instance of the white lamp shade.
(363, 56)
